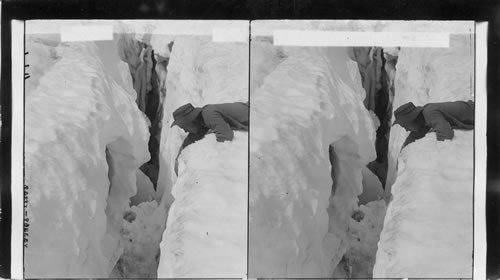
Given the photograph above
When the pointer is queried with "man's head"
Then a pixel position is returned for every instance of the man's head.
(186, 117)
(409, 117)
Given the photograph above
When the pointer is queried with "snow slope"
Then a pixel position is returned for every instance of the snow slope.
(207, 220)
(428, 227)
(79, 121)
(307, 101)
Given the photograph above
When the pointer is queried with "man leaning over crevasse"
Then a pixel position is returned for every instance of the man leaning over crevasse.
(441, 118)
(221, 119)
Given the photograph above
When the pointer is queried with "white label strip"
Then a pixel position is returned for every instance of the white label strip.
(339, 38)
(230, 35)
(160, 27)
(86, 33)
(17, 149)
(480, 245)
(266, 27)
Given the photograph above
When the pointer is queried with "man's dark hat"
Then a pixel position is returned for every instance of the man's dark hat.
(185, 114)
(406, 113)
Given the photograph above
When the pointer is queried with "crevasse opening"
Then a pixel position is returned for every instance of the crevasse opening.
(206, 201)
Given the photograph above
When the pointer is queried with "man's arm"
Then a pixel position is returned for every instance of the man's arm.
(214, 120)
(437, 121)
(414, 136)
(190, 139)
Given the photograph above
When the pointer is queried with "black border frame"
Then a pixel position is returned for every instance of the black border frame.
(482, 10)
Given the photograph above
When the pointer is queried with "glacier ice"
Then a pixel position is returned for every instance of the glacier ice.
(145, 190)
(78, 122)
(303, 100)
(364, 231)
(308, 100)
(206, 228)
(426, 75)
(429, 220)
(201, 72)
(85, 125)
(142, 232)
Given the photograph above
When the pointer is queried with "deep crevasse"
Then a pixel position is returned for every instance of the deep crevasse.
(429, 220)
(303, 100)
(207, 221)
(203, 72)
(73, 118)
(307, 101)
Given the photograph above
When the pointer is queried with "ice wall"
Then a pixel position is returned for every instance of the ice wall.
(206, 227)
(428, 227)
(307, 101)
(84, 140)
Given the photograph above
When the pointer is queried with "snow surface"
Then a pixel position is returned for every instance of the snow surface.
(429, 220)
(207, 222)
(307, 100)
(206, 229)
(79, 119)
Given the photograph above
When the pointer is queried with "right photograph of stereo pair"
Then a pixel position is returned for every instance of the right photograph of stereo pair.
(361, 149)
